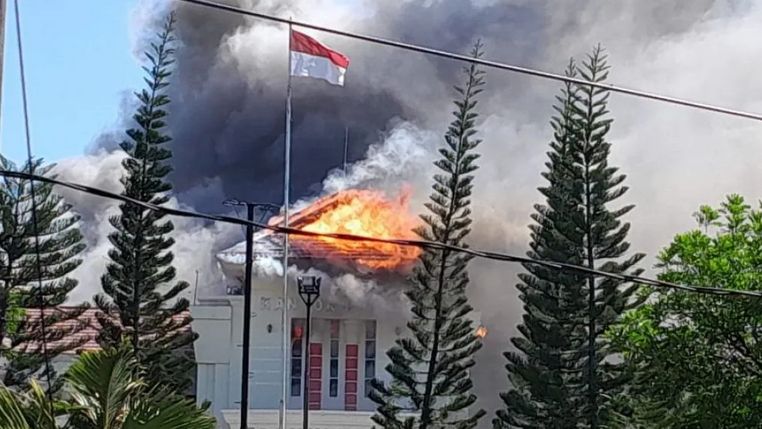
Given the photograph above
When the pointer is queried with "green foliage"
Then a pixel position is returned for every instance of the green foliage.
(23, 341)
(14, 314)
(560, 374)
(104, 390)
(29, 410)
(140, 303)
(430, 370)
(699, 357)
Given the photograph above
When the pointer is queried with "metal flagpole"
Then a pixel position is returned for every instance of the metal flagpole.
(286, 184)
(346, 143)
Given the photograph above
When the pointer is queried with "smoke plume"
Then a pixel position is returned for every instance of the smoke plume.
(227, 119)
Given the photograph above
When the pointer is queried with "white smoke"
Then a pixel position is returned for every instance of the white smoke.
(384, 301)
(195, 241)
(267, 267)
(101, 169)
(402, 156)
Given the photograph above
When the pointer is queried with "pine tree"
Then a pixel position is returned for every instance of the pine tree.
(430, 370)
(605, 241)
(28, 343)
(545, 372)
(141, 306)
(564, 364)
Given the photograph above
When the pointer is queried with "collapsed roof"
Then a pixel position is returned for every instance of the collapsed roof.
(361, 258)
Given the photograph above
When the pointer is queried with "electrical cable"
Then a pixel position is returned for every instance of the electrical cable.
(497, 256)
(483, 62)
(35, 224)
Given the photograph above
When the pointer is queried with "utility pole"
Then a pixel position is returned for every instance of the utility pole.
(246, 320)
(245, 353)
(2, 56)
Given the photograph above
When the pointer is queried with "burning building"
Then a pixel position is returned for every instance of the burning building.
(361, 312)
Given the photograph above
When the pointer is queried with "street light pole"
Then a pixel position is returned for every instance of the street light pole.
(309, 291)
(306, 399)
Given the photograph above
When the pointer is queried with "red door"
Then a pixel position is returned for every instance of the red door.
(350, 386)
(316, 373)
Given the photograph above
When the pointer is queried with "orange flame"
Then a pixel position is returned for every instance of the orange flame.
(370, 214)
(481, 331)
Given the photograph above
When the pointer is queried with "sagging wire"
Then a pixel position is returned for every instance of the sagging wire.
(35, 223)
(486, 63)
(424, 244)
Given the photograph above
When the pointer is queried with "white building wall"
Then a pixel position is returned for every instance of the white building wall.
(218, 321)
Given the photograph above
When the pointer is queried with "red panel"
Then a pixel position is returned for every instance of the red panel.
(352, 350)
(316, 373)
(350, 377)
(350, 403)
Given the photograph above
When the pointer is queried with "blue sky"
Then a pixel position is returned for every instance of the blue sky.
(79, 62)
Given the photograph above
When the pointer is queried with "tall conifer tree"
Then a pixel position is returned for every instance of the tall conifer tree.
(430, 370)
(605, 241)
(29, 342)
(564, 358)
(141, 305)
(546, 371)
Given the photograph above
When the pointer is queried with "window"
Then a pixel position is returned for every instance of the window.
(370, 354)
(297, 329)
(333, 380)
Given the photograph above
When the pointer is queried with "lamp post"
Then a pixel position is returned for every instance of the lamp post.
(309, 291)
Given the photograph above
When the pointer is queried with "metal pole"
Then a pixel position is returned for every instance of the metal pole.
(346, 144)
(2, 55)
(306, 401)
(246, 319)
(286, 185)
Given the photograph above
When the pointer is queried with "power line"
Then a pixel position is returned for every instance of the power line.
(486, 63)
(497, 256)
(35, 222)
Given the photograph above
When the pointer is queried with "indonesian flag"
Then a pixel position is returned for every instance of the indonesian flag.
(311, 58)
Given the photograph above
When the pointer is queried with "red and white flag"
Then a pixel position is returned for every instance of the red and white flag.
(311, 58)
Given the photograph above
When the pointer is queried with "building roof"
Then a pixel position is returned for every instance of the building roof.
(88, 335)
(268, 244)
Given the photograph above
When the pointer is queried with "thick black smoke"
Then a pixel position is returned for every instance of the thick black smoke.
(228, 116)
(228, 105)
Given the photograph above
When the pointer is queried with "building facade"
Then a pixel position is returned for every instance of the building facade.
(345, 354)
(359, 316)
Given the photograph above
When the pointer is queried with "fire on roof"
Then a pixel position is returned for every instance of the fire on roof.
(360, 212)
